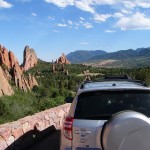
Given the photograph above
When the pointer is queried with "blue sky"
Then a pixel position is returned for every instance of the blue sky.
(53, 27)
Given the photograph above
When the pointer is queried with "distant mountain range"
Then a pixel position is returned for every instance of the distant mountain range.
(121, 58)
(80, 56)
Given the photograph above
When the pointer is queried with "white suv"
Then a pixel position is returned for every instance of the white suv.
(111, 114)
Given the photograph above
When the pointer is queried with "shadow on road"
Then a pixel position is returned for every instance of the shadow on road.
(47, 139)
(49, 143)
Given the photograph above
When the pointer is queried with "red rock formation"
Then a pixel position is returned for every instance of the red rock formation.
(12, 59)
(20, 81)
(19, 78)
(7, 75)
(7, 58)
(63, 60)
(4, 57)
(32, 81)
(9, 61)
(30, 58)
(5, 88)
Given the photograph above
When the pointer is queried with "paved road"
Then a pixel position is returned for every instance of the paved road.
(48, 143)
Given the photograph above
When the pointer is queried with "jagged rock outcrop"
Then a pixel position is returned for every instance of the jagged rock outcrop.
(19, 78)
(11, 70)
(32, 81)
(12, 59)
(62, 60)
(5, 88)
(4, 57)
(7, 58)
(30, 58)
(20, 81)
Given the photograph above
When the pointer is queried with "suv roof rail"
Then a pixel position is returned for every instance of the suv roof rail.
(115, 78)
(141, 83)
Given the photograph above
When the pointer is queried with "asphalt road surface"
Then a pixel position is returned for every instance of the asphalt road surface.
(51, 142)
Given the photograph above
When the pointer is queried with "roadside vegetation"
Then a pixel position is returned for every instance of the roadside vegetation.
(54, 87)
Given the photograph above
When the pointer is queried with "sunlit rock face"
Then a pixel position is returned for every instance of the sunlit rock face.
(22, 82)
(10, 70)
(62, 60)
(30, 58)
(12, 59)
(7, 58)
(5, 88)
(4, 56)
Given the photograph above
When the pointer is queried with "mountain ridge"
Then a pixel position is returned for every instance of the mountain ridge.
(117, 55)
(82, 55)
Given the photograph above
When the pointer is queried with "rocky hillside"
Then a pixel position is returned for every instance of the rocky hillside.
(124, 54)
(123, 58)
(12, 74)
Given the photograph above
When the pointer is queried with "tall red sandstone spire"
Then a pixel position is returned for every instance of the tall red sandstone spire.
(30, 58)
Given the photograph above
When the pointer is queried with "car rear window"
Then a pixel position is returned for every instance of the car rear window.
(103, 104)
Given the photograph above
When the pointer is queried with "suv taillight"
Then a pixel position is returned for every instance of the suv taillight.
(68, 127)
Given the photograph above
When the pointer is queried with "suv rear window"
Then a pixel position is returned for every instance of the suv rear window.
(103, 104)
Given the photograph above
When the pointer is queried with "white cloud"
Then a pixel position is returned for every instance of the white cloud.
(87, 25)
(55, 31)
(110, 31)
(101, 17)
(81, 22)
(76, 28)
(70, 22)
(136, 3)
(82, 4)
(89, 5)
(61, 25)
(34, 14)
(104, 2)
(61, 3)
(143, 4)
(65, 3)
(50, 18)
(126, 11)
(85, 6)
(118, 15)
(81, 18)
(84, 43)
(135, 22)
(4, 4)
(129, 4)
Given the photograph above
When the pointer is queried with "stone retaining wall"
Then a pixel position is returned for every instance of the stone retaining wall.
(12, 132)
